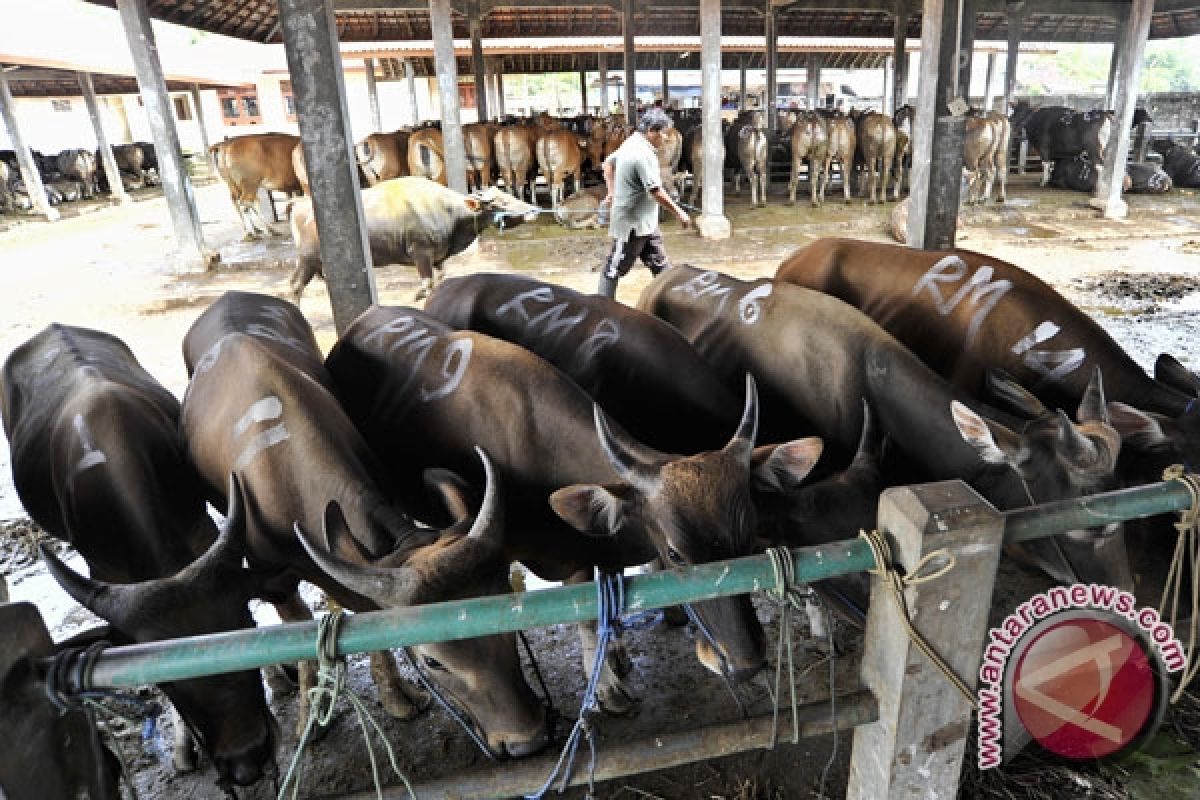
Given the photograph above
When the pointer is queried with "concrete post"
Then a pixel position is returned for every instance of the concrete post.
(712, 223)
(886, 103)
(410, 77)
(1132, 45)
(900, 52)
(315, 63)
(203, 126)
(630, 62)
(1121, 21)
(666, 80)
(915, 749)
(372, 95)
(966, 49)
(583, 97)
(1016, 24)
(177, 188)
(107, 162)
(475, 26)
(989, 82)
(772, 51)
(29, 172)
(1141, 142)
(937, 141)
(602, 65)
(499, 88)
(742, 83)
(453, 149)
(812, 73)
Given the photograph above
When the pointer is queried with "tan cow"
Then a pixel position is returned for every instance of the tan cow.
(747, 139)
(810, 140)
(694, 149)
(425, 155)
(842, 142)
(514, 146)
(481, 166)
(877, 145)
(383, 156)
(253, 162)
(669, 153)
(300, 167)
(903, 120)
(559, 156)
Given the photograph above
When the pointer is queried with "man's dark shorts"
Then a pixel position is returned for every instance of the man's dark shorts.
(649, 248)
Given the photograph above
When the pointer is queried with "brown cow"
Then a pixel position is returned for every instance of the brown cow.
(383, 156)
(747, 139)
(694, 149)
(515, 160)
(252, 162)
(425, 155)
(559, 156)
(810, 139)
(979, 145)
(843, 139)
(902, 120)
(877, 146)
(481, 166)
(669, 153)
(300, 167)
(1002, 131)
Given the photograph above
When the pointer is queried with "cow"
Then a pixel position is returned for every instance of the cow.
(260, 405)
(876, 135)
(1180, 162)
(252, 162)
(819, 358)
(1057, 132)
(1147, 178)
(693, 157)
(582, 209)
(410, 221)
(636, 367)
(560, 157)
(746, 143)
(669, 154)
(130, 161)
(7, 201)
(97, 462)
(515, 159)
(902, 121)
(843, 139)
(481, 165)
(1080, 175)
(1002, 134)
(383, 156)
(579, 492)
(80, 165)
(979, 145)
(425, 155)
(300, 168)
(810, 139)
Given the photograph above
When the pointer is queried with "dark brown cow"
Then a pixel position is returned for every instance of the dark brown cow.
(425, 155)
(559, 156)
(383, 156)
(693, 149)
(80, 165)
(747, 141)
(97, 462)
(902, 120)
(410, 221)
(515, 159)
(252, 162)
(578, 491)
(820, 358)
(260, 405)
(1058, 132)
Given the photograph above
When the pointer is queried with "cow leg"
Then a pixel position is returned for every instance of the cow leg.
(1002, 169)
(307, 266)
(254, 213)
(847, 173)
(793, 179)
(247, 226)
(183, 746)
(612, 694)
(398, 697)
(1047, 168)
(762, 184)
(814, 180)
(989, 181)
(294, 609)
(424, 266)
(885, 173)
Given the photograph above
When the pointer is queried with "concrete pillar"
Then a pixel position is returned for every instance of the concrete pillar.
(25, 163)
(107, 162)
(176, 186)
(372, 95)
(318, 85)
(1132, 44)
(454, 151)
(989, 82)
(475, 26)
(630, 62)
(1016, 24)
(772, 50)
(712, 223)
(1122, 21)
(812, 73)
(742, 83)
(966, 48)
(666, 80)
(202, 124)
(583, 97)
(899, 52)
(915, 748)
(499, 88)
(410, 77)
(885, 103)
(937, 141)
(605, 106)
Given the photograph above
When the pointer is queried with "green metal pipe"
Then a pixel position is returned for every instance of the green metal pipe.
(1095, 511)
(197, 656)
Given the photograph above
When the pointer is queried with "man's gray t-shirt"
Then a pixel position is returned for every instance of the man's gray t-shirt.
(635, 174)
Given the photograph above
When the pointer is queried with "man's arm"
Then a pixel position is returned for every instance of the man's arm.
(665, 200)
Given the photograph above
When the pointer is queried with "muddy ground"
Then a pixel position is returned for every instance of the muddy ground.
(109, 268)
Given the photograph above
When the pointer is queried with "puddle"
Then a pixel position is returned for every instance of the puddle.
(1029, 231)
(1022, 202)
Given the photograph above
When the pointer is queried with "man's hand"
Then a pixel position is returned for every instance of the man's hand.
(684, 219)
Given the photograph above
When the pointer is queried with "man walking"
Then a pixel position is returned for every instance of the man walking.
(635, 192)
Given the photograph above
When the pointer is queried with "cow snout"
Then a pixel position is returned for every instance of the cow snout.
(528, 745)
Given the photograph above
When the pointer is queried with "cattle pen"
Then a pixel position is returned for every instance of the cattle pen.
(910, 731)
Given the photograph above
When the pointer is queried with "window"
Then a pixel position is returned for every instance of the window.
(60, 105)
(251, 104)
(289, 100)
(229, 108)
(183, 109)
(239, 106)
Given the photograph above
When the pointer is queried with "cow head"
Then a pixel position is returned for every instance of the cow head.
(1054, 458)
(480, 676)
(693, 510)
(1152, 441)
(226, 714)
(506, 211)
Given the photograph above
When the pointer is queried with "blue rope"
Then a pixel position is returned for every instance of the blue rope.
(610, 601)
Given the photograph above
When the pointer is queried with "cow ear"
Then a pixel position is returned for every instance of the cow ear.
(783, 467)
(1168, 370)
(339, 540)
(1093, 407)
(991, 440)
(1002, 386)
(457, 496)
(473, 204)
(590, 509)
(1137, 428)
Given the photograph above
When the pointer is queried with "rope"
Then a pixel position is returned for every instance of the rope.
(1187, 553)
(610, 602)
(322, 700)
(897, 583)
(450, 709)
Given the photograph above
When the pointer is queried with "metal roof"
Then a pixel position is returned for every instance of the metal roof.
(382, 20)
(45, 82)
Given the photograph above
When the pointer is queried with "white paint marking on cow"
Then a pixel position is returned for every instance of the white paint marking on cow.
(454, 367)
(750, 306)
(984, 293)
(1052, 365)
(91, 456)
(269, 407)
(261, 441)
(209, 358)
(704, 285)
(606, 333)
(267, 332)
(264, 410)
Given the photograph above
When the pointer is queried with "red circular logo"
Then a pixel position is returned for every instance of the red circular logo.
(1084, 688)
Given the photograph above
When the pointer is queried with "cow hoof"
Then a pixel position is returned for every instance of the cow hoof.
(278, 682)
(615, 700)
(404, 701)
(250, 237)
(421, 294)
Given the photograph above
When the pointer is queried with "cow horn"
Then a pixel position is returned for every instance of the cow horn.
(387, 587)
(109, 601)
(1093, 407)
(227, 548)
(490, 519)
(1078, 447)
(742, 443)
(628, 466)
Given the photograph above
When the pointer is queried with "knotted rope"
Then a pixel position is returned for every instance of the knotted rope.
(610, 601)
(1187, 554)
(322, 700)
(896, 584)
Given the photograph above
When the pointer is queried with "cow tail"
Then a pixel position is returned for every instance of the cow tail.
(426, 158)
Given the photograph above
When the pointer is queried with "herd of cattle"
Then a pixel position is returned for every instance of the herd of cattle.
(75, 174)
(515, 420)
